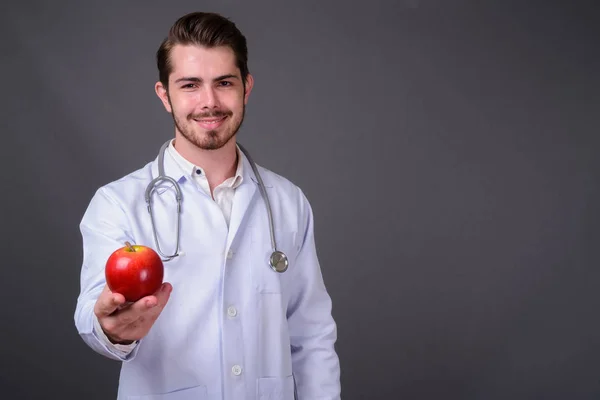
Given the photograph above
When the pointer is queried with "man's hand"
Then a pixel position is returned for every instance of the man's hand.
(125, 323)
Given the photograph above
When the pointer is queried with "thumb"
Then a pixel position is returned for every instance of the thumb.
(108, 302)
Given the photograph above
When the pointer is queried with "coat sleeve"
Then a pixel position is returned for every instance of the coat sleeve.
(313, 331)
(104, 228)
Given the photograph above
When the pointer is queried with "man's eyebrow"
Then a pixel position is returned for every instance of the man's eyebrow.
(188, 79)
(227, 76)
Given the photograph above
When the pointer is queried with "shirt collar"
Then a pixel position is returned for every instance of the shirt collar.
(191, 169)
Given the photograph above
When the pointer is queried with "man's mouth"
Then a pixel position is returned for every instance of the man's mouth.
(210, 123)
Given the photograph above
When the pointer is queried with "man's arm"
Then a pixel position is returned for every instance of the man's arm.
(104, 228)
(313, 331)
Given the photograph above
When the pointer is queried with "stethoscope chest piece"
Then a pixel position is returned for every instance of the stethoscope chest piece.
(278, 261)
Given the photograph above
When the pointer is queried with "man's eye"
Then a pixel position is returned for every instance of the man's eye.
(224, 83)
(188, 86)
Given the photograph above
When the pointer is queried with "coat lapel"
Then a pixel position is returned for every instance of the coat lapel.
(244, 196)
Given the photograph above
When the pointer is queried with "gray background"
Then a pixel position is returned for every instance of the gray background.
(448, 149)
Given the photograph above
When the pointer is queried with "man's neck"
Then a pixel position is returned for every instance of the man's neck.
(218, 165)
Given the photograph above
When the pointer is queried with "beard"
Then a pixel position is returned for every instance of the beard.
(212, 139)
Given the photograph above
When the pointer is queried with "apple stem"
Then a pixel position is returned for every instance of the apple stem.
(130, 246)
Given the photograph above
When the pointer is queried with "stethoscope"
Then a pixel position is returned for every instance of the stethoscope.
(278, 260)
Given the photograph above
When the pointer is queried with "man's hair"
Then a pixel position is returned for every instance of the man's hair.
(203, 29)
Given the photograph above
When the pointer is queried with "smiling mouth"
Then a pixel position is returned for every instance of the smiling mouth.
(210, 123)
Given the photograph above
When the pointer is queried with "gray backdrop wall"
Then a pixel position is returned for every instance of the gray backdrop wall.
(448, 149)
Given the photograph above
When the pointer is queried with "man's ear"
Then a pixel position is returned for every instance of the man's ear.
(163, 94)
(248, 88)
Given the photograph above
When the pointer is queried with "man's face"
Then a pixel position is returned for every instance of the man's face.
(206, 96)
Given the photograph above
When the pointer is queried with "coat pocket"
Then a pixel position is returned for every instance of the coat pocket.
(192, 393)
(275, 388)
(265, 279)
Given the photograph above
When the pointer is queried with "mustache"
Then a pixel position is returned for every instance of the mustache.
(211, 114)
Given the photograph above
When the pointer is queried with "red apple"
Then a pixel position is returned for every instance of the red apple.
(134, 271)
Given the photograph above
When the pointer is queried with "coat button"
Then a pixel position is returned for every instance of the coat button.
(237, 370)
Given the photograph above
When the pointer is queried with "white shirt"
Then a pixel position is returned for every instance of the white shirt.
(222, 195)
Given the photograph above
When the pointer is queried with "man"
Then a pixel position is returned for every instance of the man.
(224, 325)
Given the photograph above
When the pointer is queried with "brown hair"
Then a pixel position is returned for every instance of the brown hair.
(204, 29)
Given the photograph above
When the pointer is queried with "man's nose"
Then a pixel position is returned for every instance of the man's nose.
(209, 98)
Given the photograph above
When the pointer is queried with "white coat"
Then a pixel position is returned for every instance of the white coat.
(233, 328)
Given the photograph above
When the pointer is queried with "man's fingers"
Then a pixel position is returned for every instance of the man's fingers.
(158, 299)
(163, 294)
(131, 321)
(146, 308)
(143, 305)
(108, 302)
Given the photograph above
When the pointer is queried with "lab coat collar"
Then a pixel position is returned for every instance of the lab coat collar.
(174, 170)
(244, 193)
(243, 198)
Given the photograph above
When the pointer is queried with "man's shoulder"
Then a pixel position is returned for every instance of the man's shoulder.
(281, 186)
(275, 180)
(134, 181)
(118, 195)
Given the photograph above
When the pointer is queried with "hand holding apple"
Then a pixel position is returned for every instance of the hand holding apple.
(127, 324)
(134, 294)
